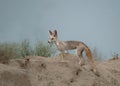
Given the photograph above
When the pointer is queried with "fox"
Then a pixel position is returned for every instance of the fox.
(63, 46)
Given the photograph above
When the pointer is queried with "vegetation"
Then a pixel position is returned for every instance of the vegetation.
(20, 50)
(97, 55)
(43, 49)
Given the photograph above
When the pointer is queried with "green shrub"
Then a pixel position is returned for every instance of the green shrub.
(25, 48)
(20, 50)
(43, 49)
(8, 51)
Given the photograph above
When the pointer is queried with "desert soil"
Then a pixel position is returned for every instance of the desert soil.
(42, 71)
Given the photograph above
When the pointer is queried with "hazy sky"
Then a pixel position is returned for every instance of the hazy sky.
(95, 22)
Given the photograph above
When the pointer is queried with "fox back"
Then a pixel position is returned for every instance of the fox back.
(69, 45)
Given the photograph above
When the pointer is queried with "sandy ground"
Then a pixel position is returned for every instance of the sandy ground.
(42, 71)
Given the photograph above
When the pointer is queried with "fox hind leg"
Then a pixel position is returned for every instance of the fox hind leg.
(80, 55)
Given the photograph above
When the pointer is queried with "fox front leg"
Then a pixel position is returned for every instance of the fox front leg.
(62, 56)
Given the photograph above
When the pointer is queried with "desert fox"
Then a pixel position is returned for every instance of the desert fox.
(69, 45)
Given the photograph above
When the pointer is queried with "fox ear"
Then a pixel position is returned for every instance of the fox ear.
(50, 32)
(55, 33)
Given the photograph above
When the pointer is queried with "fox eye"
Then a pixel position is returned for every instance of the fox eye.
(52, 38)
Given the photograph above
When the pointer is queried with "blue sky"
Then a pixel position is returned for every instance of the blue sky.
(95, 22)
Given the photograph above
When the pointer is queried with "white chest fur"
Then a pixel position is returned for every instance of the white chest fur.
(58, 44)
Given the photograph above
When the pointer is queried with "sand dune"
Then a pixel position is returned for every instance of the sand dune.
(42, 71)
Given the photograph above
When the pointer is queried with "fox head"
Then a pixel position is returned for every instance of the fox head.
(53, 36)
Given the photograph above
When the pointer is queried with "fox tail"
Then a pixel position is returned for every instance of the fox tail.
(90, 57)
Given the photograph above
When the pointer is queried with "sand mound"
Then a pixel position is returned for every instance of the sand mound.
(41, 71)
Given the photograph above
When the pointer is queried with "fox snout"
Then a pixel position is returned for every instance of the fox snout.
(49, 42)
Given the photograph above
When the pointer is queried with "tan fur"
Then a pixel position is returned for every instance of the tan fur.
(69, 45)
(89, 55)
